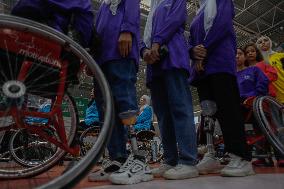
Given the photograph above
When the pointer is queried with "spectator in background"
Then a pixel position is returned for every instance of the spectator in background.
(254, 58)
(91, 114)
(276, 60)
(44, 106)
(212, 46)
(252, 81)
(145, 117)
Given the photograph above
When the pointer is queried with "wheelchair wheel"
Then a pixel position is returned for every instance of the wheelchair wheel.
(37, 62)
(32, 154)
(30, 150)
(270, 117)
(88, 138)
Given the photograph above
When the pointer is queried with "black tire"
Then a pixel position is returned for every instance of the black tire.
(88, 138)
(23, 144)
(270, 118)
(49, 35)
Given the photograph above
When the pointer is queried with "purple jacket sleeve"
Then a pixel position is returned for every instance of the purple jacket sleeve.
(175, 19)
(189, 45)
(261, 82)
(222, 25)
(131, 18)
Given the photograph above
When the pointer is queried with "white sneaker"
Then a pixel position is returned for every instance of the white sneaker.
(133, 171)
(181, 172)
(209, 164)
(159, 171)
(237, 167)
(102, 174)
(202, 149)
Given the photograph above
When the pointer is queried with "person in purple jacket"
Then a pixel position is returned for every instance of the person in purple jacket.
(118, 25)
(212, 47)
(167, 76)
(251, 80)
(60, 15)
(64, 16)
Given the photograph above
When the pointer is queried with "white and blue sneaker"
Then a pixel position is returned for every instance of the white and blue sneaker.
(104, 173)
(133, 171)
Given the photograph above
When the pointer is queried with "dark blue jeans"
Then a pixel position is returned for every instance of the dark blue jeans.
(172, 104)
(121, 76)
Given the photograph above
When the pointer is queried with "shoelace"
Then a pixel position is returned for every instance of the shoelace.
(127, 164)
(106, 163)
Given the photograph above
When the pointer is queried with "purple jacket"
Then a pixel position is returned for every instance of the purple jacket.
(252, 82)
(58, 14)
(109, 27)
(220, 41)
(168, 29)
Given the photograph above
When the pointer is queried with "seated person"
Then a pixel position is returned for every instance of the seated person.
(92, 114)
(45, 106)
(145, 117)
(254, 58)
(252, 83)
(251, 80)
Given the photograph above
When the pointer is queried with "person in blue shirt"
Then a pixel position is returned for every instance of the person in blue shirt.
(91, 114)
(45, 106)
(145, 117)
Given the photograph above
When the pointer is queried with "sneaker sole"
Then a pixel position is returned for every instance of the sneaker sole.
(133, 180)
(206, 172)
(237, 174)
(97, 179)
(181, 177)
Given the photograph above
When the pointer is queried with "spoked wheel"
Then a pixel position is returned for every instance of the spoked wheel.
(39, 64)
(88, 138)
(29, 149)
(270, 117)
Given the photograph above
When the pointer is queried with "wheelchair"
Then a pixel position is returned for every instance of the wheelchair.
(36, 60)
(150, 143)
(264, 120)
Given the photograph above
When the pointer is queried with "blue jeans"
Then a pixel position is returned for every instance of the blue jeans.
(121, 76)
(172, 104)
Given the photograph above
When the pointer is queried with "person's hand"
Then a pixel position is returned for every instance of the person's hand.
(155, 52)
(125, 44)
(147, 57)
(199, 66)
(199, 52)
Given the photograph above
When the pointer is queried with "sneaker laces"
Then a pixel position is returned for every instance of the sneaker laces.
(106, 163)
(129, 162)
